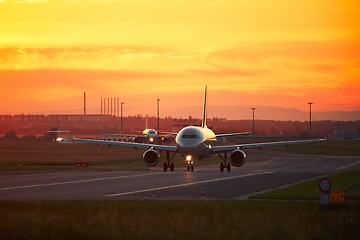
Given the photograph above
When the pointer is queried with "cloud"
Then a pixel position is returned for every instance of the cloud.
(226, 72)
(26, 1)
(41, 77)
(112, 58)
(282, 69)
(322, 57)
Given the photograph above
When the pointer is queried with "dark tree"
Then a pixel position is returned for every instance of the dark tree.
(10, 136)
(29, 138)
(49, 136)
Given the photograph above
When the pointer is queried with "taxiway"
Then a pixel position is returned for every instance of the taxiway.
(262, 171)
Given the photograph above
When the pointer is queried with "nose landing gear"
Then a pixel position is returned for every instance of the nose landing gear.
(190, 167)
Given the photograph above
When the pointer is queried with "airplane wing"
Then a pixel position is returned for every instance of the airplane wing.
(121, 135)
(232, 134)
(219, 149)
(168, 133)
(136, 146)
(58, 131)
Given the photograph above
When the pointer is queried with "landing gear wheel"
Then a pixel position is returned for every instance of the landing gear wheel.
(190, 168)
(222, 166)
(228, 167)
(168, 163)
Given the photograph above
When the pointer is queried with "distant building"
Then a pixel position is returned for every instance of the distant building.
(79, 117)
(5, 118)
(178, 124)
(56, 117)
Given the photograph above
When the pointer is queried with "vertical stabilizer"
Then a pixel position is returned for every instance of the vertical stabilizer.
(204, 116)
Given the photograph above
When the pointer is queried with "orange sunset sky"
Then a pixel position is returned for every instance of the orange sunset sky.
(250, 53)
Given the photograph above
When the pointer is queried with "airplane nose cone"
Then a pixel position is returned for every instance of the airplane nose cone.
(188, 144)
(192, 150)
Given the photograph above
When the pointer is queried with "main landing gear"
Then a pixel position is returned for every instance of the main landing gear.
(224, 164)
(168, 163)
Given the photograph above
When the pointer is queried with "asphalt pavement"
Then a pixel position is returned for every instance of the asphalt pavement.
(263, 171)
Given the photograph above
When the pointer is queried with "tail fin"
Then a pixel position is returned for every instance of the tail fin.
(204, 116)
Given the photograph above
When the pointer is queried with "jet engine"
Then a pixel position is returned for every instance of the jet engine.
(151, 157)
(237, 158)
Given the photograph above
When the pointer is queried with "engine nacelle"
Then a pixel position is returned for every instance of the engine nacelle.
(237, 158)
(151, 157)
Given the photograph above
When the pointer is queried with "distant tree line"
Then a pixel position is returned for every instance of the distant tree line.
(12, 136)
(29, 131)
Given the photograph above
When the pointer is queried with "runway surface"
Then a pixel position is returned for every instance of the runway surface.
(262, 171)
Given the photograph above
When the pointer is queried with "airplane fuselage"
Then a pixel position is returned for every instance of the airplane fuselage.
(191, 142)
(150, 132)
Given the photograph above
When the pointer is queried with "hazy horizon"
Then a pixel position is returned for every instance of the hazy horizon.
(227, 112)
(279, 54)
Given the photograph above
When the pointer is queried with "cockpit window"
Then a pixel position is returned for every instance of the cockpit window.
(190, 136)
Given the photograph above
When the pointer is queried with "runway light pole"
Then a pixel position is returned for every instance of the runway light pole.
(158, 115)
(310, 103)
(121, 128)
(253, 125)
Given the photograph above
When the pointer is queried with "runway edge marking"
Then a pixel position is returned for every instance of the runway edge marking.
(185, 184)
(77, 181)
(349, 165)
(247, 196)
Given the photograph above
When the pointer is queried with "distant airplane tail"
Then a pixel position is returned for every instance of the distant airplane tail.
(204, 116)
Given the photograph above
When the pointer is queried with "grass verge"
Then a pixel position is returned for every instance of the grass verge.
(84, 219)
(327, 148)
(23, 156)
(346, 181)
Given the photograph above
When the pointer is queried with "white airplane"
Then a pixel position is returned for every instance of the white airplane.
(151, 135)
(193, 142)
(59, 139)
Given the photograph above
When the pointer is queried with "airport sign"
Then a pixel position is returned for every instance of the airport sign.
(325, 185)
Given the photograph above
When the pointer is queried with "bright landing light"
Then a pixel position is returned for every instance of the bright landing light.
(188, 158)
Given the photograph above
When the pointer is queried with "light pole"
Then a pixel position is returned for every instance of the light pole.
(310, 103)
(121, 128)
(158, 115)
(253, 125)
(84, 103)
(117, 107)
